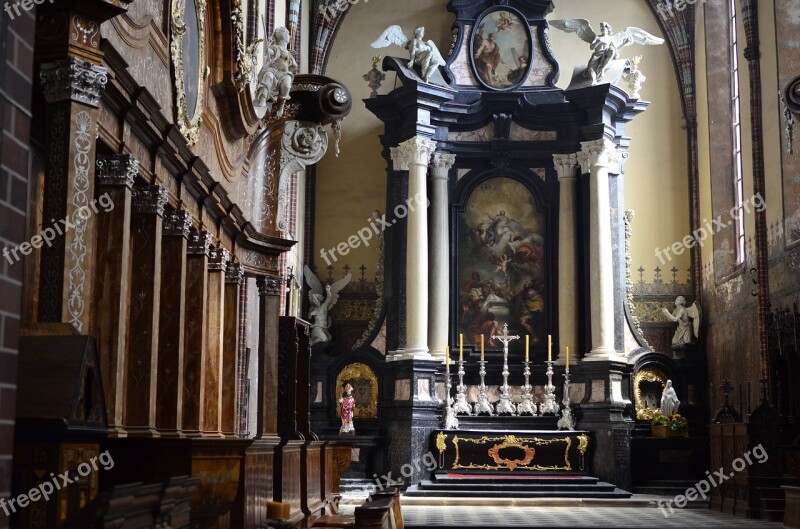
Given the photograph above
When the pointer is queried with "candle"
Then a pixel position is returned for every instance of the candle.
(481, 347)
(567, 357)
(447, 357)
(549, 348)
(460, 347)
(527, 345)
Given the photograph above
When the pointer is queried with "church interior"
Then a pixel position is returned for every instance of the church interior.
(378, 264)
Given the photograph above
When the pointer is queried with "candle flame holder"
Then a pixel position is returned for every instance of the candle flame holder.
(527, 406)
(550, 406)
(567, 421)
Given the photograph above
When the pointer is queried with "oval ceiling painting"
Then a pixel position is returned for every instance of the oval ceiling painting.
(501, 49)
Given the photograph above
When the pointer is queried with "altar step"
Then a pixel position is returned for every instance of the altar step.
(519, 486)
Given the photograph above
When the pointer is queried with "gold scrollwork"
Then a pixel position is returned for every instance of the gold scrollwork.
(583, 445)
(189, 126)
(516, 442)
(441, 446)
(647, 374)
(512, 442)
(354, 373)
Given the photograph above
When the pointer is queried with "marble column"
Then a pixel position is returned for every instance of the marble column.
(439, 316)
(114, 177)
(414, 156)
(568, 310)
(174, 241)
(145, 293)
(596, 158)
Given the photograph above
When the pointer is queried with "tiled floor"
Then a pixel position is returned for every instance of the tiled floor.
(540, 517)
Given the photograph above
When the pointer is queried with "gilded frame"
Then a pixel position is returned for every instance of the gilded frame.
(646, 374)
(359, 371)
(189, 127)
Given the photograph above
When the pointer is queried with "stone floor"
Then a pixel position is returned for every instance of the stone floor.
(640, 511)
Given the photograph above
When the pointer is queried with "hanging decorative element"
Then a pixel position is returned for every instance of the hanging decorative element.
(189, 62)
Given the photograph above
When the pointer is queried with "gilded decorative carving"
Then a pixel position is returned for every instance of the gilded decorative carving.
(246, 56)
(303, 144)
(80, 201)
(116, 170)
(647, 374)
(583, 445)
(441, 446)
(355, 373)
(512, 441)
(73, 80)
(188, 124)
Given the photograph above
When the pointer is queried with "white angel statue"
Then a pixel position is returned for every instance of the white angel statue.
(605, 46)
(320, 304)
(688, 320)
(423, 53)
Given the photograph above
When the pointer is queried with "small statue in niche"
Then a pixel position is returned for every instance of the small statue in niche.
(346, 410)
(423, 53)
(277, 74)
(606, 46)
(688, 320)
(669, 400)
(321, 304)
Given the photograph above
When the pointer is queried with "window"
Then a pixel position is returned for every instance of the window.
(736, 124)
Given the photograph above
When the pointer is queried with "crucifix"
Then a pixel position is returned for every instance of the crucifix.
(505, 406)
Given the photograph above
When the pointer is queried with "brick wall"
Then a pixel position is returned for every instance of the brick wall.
(16, 66)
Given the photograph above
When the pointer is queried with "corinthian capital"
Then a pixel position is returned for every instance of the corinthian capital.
(598, 152)
(73, 80)
(416, 151)
(565, 165)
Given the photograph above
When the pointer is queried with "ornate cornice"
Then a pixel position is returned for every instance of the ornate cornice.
(199, 242)
(116, 170)
(177, 223)
(73, 80)
(149, 199)
(269, 285)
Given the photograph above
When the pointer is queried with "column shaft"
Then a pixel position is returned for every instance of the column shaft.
(115, 178)
(171, 321)
(597, 157)
(415, 154)
(439, 317)
(568, 309)
(212, 356)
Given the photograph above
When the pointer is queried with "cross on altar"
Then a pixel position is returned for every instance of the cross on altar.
(505, 406)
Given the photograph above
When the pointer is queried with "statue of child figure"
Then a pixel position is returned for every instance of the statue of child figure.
(348, 405)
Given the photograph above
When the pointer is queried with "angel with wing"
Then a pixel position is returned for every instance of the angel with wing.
(321, 304)
(605, 46)
(423, 53)
(688, 320)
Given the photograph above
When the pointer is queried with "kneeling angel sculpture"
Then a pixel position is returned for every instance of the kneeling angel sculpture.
(606, 46)
(321, 304)
(423, 53)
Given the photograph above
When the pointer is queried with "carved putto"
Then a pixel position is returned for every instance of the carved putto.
(321, 304)
(277, 74)
(423, 54)
(604, 64)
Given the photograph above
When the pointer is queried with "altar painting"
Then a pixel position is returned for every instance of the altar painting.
(501, 50)
(501, 263)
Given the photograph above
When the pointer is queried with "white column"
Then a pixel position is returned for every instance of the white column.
(568, 311)
(596, 158)
(440, 255)
(414, 155)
